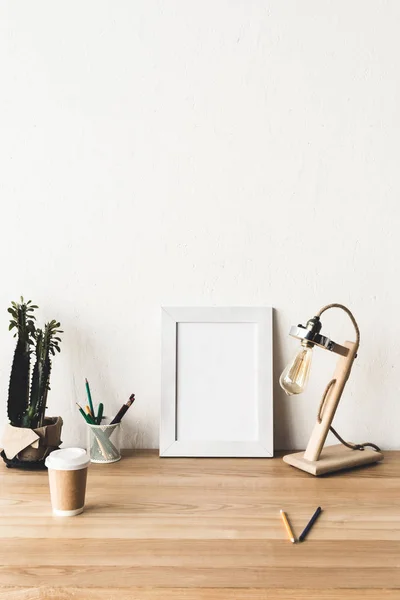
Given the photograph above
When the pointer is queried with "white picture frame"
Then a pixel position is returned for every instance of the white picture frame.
(216, 396)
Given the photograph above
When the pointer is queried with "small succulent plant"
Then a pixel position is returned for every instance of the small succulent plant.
(27, 395)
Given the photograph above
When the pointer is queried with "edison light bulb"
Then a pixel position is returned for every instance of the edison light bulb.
(295, 377)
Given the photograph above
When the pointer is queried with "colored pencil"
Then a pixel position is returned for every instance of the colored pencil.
(287, 526)
(88, 418)
(84, 415)
(310, 524)
(89, 395)
(100, 413)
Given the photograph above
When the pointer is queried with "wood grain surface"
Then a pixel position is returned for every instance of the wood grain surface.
(182, 528)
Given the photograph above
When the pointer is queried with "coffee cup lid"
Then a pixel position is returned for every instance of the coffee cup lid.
(67, 459)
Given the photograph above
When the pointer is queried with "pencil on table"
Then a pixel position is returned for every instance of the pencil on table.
(287, 526)
(310, 524)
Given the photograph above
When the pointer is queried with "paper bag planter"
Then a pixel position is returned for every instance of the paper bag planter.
(29, 447)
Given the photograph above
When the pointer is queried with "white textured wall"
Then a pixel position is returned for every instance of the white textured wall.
(212, 152)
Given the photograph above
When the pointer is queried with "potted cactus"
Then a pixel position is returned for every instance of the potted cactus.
(30, 436)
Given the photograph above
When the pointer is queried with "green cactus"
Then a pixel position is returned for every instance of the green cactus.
(46, 344)
(24, 409)
(18, 392)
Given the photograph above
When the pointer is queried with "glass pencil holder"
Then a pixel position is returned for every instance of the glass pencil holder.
(103, 443)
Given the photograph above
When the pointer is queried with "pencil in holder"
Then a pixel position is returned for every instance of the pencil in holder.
(103, 443)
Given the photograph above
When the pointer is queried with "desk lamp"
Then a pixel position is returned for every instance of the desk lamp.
(315, 459)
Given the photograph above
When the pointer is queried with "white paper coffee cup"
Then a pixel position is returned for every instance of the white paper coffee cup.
(67, 470)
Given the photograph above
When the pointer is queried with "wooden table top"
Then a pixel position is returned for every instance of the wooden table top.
(189, 528)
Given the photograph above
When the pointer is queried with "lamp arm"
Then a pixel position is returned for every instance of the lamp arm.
(333, 381)
(350, 314)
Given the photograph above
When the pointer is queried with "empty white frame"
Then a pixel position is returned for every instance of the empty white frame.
(216, 397)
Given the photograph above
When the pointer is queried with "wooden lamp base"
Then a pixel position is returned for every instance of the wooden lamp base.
(333, 458)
